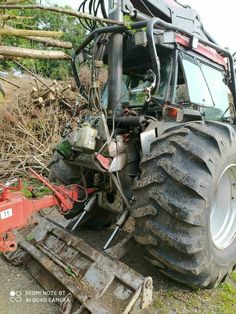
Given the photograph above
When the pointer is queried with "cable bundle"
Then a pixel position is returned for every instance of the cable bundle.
(93, 7)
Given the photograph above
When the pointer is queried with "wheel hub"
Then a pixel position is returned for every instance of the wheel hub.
(223, 213)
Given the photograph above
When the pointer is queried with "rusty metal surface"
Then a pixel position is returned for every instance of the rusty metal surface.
(95, 282)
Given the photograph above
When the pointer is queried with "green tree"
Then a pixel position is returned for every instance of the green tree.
(44, 20)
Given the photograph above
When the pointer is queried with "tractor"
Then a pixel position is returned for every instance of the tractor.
(156, 144)
(166, 120)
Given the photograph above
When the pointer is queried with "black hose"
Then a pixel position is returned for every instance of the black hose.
(92, 7)
(88, 39)
(103, 9)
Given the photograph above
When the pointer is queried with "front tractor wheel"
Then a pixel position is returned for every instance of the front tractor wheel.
(186, 203)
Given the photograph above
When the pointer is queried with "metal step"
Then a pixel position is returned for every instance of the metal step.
(94, 282)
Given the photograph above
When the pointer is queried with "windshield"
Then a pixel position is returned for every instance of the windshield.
(219, 91)
(197, 86)
(206, 87)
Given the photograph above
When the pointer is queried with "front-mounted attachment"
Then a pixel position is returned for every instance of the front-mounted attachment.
(92, 282)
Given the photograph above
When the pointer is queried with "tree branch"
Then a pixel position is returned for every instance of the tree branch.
(62, 11)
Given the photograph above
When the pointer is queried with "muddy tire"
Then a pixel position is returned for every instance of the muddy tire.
(62, 173)
(185, 208)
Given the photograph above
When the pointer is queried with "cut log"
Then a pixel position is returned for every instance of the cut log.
(24, 32)
(50, 42)
(38, 101)
(47, 41)
(33, 53)
(3, 89)
(51, 96)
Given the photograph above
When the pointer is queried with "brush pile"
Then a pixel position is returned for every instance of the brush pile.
(31, 124)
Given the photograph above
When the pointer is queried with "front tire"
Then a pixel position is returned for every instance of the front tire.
(186, 203)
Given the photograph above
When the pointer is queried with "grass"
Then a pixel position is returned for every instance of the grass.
(34, 188)
(227, 298)
(174, 298)
(233, 276)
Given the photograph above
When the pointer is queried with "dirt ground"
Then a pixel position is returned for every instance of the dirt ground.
(169, 297)
(14, 279)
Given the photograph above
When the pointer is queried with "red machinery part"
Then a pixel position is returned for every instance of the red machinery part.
(8, 242)
(208, 52)
(16, 209)
(103, 161)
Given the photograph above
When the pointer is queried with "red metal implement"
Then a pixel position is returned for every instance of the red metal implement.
(16, 209)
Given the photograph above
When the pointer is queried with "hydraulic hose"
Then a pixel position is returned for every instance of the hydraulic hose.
(88, 39)
(91, 36)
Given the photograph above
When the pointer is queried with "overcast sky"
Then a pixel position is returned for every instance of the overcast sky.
(218, 17)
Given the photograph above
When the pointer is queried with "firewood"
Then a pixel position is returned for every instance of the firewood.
(26, 32)
(50, 42)
(32, 53)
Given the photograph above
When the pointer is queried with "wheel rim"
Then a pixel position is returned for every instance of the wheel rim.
(223, 212)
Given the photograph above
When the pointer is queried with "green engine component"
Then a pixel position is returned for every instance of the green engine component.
(65, 149)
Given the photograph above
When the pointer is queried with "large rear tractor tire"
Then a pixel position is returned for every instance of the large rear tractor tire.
(185, 208)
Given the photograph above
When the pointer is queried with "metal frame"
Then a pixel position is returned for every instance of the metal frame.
(95, 282)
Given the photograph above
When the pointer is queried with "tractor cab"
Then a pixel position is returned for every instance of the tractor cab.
(191, 78)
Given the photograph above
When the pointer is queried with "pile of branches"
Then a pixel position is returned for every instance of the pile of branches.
(32, 125)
